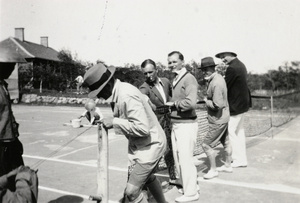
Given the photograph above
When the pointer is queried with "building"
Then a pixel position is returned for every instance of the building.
(19, 51)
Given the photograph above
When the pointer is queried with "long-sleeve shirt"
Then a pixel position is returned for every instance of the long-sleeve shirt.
(217, 104)
(134, 118)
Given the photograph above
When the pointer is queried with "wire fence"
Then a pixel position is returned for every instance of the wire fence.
(266, 113)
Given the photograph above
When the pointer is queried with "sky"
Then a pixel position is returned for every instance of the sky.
(263, 33)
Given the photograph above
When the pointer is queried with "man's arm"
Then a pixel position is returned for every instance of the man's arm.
(190, 100)
(135, 123)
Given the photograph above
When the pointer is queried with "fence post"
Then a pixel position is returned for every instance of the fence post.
(272, 116)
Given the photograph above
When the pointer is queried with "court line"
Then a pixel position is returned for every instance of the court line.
(68, 193)
(286, 139)
(75, 151)
(268, 187)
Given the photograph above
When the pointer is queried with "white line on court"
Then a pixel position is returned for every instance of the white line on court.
(75, 151)
(287, 139)
(68, 193)
(73, 162)
(269, 187)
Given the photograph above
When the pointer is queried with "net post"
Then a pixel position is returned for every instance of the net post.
(102, 164)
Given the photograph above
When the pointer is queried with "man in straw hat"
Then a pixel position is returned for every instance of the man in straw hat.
(218, 117)
(239, 100)
(134, 118)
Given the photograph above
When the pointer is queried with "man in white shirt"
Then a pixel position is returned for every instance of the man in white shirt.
(79, 82)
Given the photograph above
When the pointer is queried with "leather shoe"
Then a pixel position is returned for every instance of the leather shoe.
(184, 198)
(180, 190)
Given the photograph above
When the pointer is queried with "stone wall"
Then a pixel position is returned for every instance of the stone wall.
(34, 98)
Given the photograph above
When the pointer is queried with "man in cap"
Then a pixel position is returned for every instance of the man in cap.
(184, 125)
(134, 118)
(239, 100)
(11, 148)
(218, 117)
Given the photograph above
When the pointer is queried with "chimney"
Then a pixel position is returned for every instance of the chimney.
(44, 41)
(19, 33)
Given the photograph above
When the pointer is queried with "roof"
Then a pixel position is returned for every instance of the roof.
(15, 50)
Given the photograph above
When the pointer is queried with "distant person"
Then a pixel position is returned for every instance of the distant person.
(239, 100)
(184, 125)
(92, 113)
(218, 117)
(134, 118)
(26, 184)
(79, 82)
(11, 148)
(158, 89)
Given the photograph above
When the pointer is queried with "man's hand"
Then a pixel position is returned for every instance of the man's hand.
(170, 104)
(15, 171)
(108, 122)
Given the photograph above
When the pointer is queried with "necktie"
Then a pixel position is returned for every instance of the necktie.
(112, 104)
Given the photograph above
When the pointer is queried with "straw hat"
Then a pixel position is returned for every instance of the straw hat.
(225, 52)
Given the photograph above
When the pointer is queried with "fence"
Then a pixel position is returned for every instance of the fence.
(267, 112)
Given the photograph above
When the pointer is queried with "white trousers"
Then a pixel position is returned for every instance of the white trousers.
(237, 139)
(184, 136)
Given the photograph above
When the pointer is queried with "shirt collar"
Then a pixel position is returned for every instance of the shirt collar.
(180, 72)
(209, 78)
(159, 81)
(114, 94)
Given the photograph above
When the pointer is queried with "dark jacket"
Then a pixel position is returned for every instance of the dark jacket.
(239, 97)
(8, 125)
(155, 97)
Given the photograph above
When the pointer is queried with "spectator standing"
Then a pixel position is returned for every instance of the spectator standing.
(218, 117)
(158, 90)
(79, 82)
(184, 125)
(134, 118)
(11, 148)
(239, 100)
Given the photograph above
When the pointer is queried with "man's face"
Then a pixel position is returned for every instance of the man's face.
(226, 58)
(150, 73)
(174, 63)
(208, 71)
(106, 92)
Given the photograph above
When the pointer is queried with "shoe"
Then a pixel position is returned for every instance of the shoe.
(184, 198)
(225, 169)
(237, 165)
(211, 174)
(165, 186)
(175, 182)
(180, 190)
